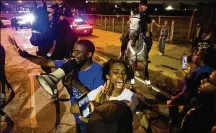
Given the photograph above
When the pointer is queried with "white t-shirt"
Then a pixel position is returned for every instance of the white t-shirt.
(126, 95)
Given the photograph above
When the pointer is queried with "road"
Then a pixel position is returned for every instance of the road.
(32, 109)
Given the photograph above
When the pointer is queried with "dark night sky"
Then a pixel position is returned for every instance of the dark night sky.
(161, 1)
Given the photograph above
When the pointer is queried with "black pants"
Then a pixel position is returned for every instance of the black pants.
(124, 43)
(148, 41)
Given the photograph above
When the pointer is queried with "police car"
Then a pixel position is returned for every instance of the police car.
(81, 27)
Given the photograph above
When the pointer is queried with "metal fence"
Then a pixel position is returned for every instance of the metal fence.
(179, 25)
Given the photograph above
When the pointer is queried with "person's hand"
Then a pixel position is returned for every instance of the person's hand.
(187, 71)
(85, 120)
(169, 102)
(19, 51)
(102, 95)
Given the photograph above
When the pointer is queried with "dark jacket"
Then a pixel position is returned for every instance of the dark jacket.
(144, 20)
(192, 84)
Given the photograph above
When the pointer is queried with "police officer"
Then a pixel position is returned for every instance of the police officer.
(60, 11)
(145, 26)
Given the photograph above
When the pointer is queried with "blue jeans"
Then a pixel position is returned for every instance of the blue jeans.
(161, 44)
(81, 127)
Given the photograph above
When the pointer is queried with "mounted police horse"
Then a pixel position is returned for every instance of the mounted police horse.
(54, 43)
(136, 55)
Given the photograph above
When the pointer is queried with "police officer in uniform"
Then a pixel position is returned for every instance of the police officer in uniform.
(60, 11)
(145, 24)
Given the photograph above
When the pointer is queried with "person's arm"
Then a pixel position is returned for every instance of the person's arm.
(40, 60)
(44, 4)
(35, 59)
(158, 25)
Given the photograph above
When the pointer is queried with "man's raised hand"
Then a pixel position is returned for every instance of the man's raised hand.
(13, 42)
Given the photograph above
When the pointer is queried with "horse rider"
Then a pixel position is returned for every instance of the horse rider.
(145, 22)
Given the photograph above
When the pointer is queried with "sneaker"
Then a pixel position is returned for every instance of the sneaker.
(147, 82)
(159, 53)
(132, 81)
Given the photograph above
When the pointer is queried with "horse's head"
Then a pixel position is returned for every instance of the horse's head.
(39, 26)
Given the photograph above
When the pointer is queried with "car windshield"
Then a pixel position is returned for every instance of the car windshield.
(80, 23)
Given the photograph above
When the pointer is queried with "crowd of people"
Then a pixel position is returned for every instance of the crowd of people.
(113, 103)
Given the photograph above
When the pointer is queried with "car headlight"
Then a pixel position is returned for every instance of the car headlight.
(30, 18)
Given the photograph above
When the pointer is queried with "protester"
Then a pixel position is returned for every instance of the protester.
(202, 118)
(204, 61)
(164, 33)
(116, 74)
(205, 64)
(89, 76)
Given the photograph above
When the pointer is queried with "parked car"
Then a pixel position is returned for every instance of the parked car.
(81, 27)
(4, 22)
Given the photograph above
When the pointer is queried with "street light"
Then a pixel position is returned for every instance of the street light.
(169, 8)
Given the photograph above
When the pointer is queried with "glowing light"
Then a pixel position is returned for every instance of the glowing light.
(78, 20)
(20, 1)
(6, 4)
(86, 1)
(26, 19)
(169, 7)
